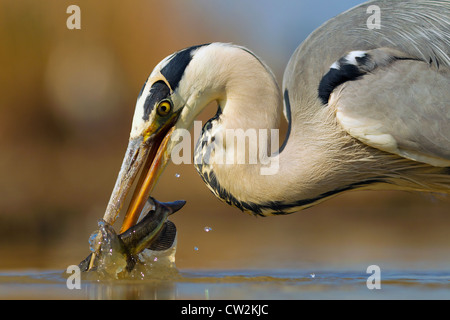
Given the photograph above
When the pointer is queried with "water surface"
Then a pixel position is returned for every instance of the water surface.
(231, 284)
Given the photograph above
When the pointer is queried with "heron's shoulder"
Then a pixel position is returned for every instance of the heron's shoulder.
(401, 108)
(419, 29)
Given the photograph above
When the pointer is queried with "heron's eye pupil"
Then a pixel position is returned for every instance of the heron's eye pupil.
(164, 108)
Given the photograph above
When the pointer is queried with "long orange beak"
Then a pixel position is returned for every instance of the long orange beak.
(147, 156)
(146, 182)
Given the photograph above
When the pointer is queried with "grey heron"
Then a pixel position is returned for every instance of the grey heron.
(367, 108)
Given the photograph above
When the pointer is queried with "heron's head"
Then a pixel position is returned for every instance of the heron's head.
(169, 100)
(176, 91)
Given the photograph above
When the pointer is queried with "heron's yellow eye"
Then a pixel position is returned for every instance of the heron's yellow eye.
(164, 108)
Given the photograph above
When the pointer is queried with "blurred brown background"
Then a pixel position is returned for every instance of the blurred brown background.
(66, 103)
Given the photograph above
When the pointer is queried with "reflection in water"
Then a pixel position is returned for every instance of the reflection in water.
(232, 284)
(148, 290)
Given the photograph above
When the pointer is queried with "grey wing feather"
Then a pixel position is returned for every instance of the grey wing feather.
(417, 28)
(402, 105)
(403, 108)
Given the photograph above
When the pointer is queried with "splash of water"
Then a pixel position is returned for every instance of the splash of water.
(113, 262)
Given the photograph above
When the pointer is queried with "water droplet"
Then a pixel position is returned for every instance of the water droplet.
(207, 229)
(177, 175)
(196, 248)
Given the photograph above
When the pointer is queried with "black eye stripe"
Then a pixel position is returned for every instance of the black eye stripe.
(158, 92)
(173, 71)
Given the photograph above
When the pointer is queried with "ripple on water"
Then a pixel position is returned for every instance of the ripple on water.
(229, 284)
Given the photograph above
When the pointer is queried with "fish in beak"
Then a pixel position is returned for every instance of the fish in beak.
(119, 253)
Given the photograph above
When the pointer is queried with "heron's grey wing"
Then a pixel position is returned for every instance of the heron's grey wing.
(419, 29)
(397, 104)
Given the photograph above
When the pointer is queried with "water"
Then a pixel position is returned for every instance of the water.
(231, 284)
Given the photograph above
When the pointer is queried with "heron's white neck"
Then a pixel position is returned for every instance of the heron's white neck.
(249, 100)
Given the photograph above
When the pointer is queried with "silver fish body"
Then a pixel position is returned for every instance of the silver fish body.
(153, 231)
